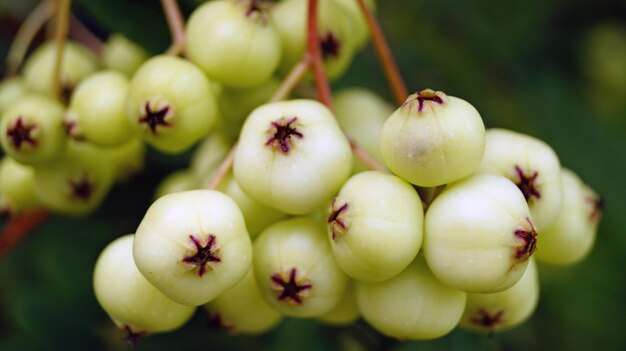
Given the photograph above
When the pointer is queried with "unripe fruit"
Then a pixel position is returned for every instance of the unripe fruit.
(411, 305)
(292, 156)
(433, 139)
(97, 110)
(77, 64)
(478, 234)
(17, 187)
(181, 180)
(234, 42)
(346, 312)
(128, 298)
(242, 309)
(128, 158)
(295, 269)
(532, 165)
(193, 246)
(208, 156)
(31, 130)
(123, 55)
(506, 309)
(170, 101)
(570, 238)
(375, 226)
(359, 28)
(11, 90)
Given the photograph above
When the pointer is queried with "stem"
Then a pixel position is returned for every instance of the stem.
(362, 155)
(384, 54)
(62, 26)
(25, 35)
(17, 228)
(317, 64)
(176, 23)
(223, 169)
(292, 79)
(83, 35)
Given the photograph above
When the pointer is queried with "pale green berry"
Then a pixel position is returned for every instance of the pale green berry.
(193, 246)
(208, 156)
(411, 305)
(572, 235)
(171, 103)
(128, 158)
(242, 309)
(295, 268)
(433, 139)
(128, 298)
(32, 131)
(506, 309)
(78, 62)
(479, 234)
(177, 181)
(357, 19)
(79, 182)
(123, 55)
(346, 312)
(292, 156)
(97, 110)
(375, 226)
(532, 165)
(233, 41)
(362, 114)
(17, 187)
(11, 90)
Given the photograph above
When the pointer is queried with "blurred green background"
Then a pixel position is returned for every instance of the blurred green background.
(553, 69)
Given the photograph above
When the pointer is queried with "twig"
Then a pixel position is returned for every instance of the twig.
(18, 227)
(223, 169)
(362, 155)
(83, 35)
(176, 23)
(25, 35)
(392, 72)
(62, 27)
(317, 64)
(292, 79)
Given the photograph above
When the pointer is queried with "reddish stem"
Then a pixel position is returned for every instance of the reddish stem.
(384, 54)
(17, 228)
(223, 169)
(317, 64)
(176, 23)
(60, 37)
(292, 79)
(83, 35)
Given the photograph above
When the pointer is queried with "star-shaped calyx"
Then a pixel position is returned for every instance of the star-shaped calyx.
(20, 132)
(336, 220)
(290, 289)
(425, 98)
(528, 242)
(216, 322)
(526, 182)
(488, 320)
(257, 9)
(597, 205)
(330, 46)
(131, 337)
(81, 189)
(204, 255)
(155, 117)
(282, 132)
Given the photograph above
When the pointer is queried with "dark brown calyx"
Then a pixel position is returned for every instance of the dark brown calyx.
(424, 99)
(155, 117)
(282, 133)
(330, 46)
(528, 242)
(290, 289)
(488, 320)
(526, 182)
(82, 189)
(257, 9)
(21, 132)
(215, 322)
(597, 206)
(336, 219)
(204, 254)
(131, 337)
(66, 92)
(72, 129)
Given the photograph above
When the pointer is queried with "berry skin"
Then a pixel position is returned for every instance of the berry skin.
(78, 63)
(488, 313)
(242, 309)
(11, 90)
(96, 112)
(17, 187)
(479, 234)
(346, 312)
(193, 246)
(181, 180)
(31, 130)
(295, 269)
(121, 54)
(292, 156)
(411, 305)
(128, 298)
(234, 42)
(128, 158)
(358, 24)
(433, 139)
(570, 238)
(171, 103)
(209, 154)
(532, 165)
(375, 226)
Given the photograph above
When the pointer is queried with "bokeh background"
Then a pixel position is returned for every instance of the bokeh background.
(553, 69)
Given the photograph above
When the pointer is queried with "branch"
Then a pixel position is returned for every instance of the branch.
(17, 228)
(384, 54)
(292, 79)
(223, 169)
(176, 23)
(60, 36)
(83, 35)
(317, 64)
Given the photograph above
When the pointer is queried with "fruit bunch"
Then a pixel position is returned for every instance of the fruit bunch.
(413, 217)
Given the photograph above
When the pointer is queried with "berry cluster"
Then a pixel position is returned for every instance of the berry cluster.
(445, 233)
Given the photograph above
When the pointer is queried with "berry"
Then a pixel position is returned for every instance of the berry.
(479, 234)
(359, 28)
(292, 156)
(433, 139)
(375, 226)
(17, 187)
(234, 42)
(123, 55)
(193, 246)
(177, 181)
(128, 298)
(128, 158)
(11, 90)
(346, 312)
(208, 156)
